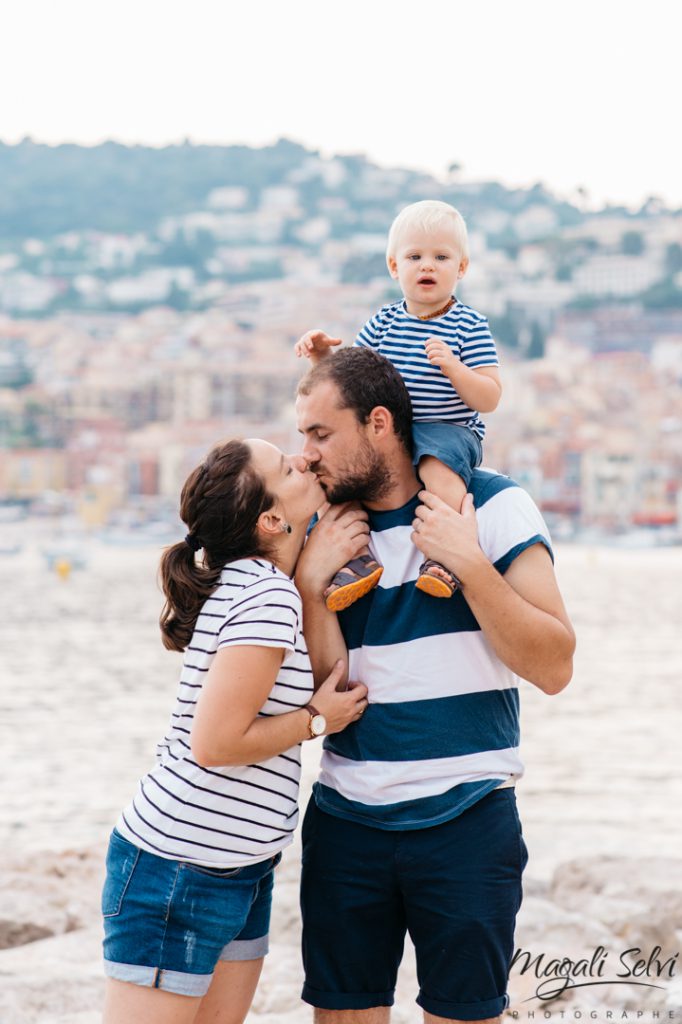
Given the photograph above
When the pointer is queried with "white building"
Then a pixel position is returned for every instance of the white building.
(616, 275)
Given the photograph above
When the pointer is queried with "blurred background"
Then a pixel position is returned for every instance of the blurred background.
(182, 194)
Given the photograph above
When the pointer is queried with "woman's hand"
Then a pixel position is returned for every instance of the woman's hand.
(340, 708)
(341, 534)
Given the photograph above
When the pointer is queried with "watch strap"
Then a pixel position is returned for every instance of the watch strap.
(313, 712)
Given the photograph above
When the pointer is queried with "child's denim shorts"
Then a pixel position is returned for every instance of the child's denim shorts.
(167, 923)
(457, 447)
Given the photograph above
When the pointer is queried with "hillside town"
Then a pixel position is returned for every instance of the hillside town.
(123, 356)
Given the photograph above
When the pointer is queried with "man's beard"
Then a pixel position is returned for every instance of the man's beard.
(370, 480)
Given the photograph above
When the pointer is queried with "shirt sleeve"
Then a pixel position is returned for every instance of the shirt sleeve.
(477, 347)
(371, 333)
(267, 615)
(509, 521)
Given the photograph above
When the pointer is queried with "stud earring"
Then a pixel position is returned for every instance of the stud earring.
(286, 528)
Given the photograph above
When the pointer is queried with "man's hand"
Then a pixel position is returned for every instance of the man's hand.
(441, 355)
(315, 344)
(449, 537)
(522, 614)
(340, 535)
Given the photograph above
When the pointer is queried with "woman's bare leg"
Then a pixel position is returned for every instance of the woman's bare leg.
(227, 1001)
(125, 1002)
(229, 998)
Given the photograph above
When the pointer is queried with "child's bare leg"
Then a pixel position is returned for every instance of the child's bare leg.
(450, 488)
(353, 581)
(442, 481)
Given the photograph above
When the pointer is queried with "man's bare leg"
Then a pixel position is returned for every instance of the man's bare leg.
(381, 1015)
(376, 1015)
(430, 1019)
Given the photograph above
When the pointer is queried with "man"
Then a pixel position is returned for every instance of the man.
(413, 823)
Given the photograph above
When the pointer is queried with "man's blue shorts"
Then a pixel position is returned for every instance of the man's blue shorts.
(455, 887)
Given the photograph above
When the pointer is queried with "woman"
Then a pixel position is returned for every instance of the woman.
(186, 901)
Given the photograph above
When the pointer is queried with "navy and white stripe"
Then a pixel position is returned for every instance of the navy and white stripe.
(228, 817)
(396, 334)
(442, 726)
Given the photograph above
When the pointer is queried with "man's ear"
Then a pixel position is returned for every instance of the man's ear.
(392, 265)
(463, 267)
(380, 421)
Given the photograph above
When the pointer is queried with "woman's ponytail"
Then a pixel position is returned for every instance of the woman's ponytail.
(186, 584)
(220, 504)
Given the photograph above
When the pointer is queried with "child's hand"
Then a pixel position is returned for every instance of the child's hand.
(314, 343)
(441, 355)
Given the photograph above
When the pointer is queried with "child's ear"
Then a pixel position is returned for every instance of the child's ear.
(392, 265)
(463, 267)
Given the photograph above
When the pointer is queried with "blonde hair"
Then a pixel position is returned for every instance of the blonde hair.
(428, 215)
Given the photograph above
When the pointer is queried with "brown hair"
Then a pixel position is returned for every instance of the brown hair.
(220, 504)
(365, 379)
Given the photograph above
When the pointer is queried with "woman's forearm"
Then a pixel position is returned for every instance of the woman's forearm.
(264, 738)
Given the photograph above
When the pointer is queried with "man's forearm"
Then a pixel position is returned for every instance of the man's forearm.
(535, 644)
(323, 636)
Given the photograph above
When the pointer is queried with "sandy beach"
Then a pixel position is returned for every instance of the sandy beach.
(90, 689)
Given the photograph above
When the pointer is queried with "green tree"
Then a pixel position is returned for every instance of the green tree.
(673, 258)
(536, 345)
(632, 243)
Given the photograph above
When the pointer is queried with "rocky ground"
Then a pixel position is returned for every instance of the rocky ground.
(50, 934)
(88, 692)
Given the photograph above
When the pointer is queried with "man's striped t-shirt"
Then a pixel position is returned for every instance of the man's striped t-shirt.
(396, 334)
(442, 726)
(241, 814)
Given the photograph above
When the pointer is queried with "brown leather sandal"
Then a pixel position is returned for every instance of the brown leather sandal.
(352, 582)
(433, 583)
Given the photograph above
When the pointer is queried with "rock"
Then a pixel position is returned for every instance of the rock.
(535, 887)
(651, 882)
(53, 981)
(639, 900)
(49, 894)
(612, 924)
(543, 928)
(279, 989)
(674, 999)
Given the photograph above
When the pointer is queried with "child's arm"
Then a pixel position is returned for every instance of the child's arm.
(479, 388)
(315, 345)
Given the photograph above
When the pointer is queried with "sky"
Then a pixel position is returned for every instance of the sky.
(572, 94)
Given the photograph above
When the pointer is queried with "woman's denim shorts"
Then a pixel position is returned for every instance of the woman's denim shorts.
(167, 923)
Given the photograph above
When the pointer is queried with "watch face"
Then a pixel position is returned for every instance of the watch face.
(318, 724)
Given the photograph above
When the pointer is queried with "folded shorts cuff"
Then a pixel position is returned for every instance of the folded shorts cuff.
(463, 1011)
(246, 949)
(178, 982)
(346, 1000)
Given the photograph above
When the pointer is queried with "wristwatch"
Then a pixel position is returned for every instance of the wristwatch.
(317, 724)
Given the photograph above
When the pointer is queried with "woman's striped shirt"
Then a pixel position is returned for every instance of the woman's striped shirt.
(228, 817)
(396, 334)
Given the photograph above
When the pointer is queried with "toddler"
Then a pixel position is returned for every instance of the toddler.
(445, 354)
